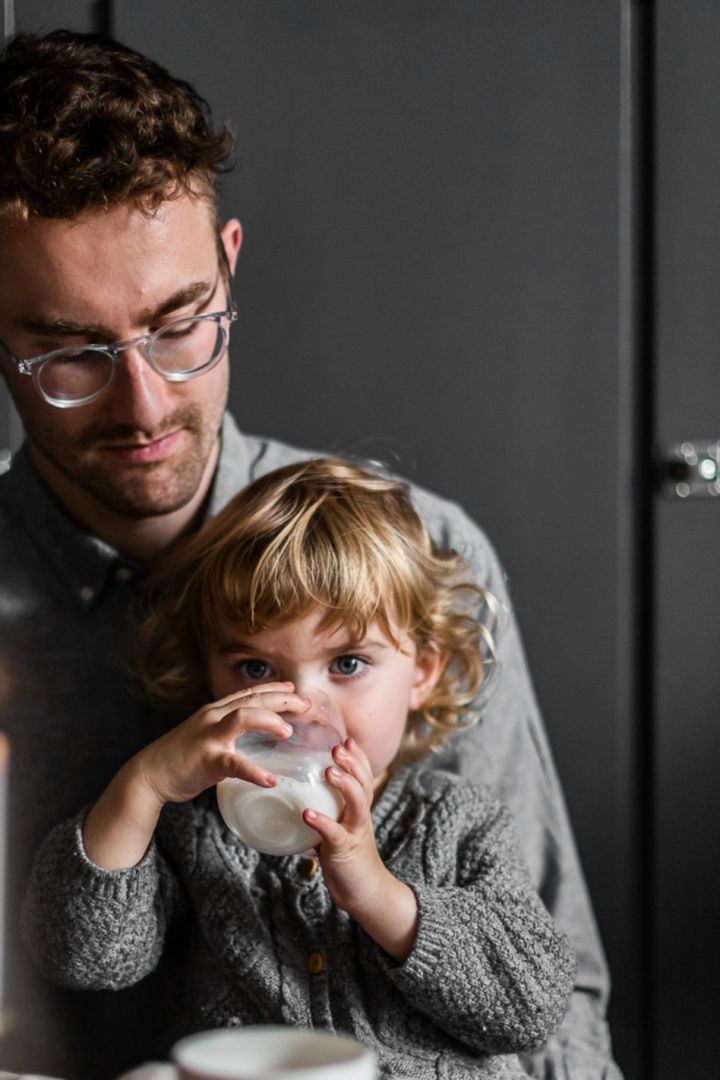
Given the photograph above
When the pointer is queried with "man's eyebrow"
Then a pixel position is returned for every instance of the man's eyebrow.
(197, 291)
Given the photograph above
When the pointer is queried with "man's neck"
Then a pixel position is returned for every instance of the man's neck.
(140, 540)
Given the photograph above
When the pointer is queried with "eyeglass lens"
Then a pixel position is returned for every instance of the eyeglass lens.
(176, 352)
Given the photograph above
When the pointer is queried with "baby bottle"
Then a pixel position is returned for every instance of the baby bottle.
(270, 819)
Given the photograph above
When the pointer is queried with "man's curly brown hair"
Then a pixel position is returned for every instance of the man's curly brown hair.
(87, 124)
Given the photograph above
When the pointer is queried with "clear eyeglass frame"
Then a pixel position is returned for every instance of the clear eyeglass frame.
(145, 343)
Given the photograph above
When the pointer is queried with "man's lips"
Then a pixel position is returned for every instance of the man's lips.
(139, 453)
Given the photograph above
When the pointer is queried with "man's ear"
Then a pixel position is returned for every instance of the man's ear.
(231, 237)
(429, 666)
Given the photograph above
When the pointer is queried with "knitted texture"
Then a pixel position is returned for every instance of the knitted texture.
(488, 976)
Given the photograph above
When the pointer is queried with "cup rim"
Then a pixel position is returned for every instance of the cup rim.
(186, 1056)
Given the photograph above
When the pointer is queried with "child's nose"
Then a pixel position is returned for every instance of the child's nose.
(322, 706)
(319, 700)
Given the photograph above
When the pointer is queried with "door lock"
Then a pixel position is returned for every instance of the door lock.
(690, 469)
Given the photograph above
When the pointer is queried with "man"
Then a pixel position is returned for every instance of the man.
(115, 317)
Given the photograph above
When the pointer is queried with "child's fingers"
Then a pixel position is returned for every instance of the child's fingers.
(355, 748)
(331, 832)
(241, 721)
(351, 759)
(277, 699)
(260, 712)
(222, 705)
(357, 801)
(238, 767)
(244, 721)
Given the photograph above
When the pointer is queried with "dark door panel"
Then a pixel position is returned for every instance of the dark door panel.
(687, 746)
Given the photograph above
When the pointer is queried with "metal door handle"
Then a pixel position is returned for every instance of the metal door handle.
(690, 469)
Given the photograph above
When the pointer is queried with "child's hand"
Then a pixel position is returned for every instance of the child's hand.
(179, 765)
(351, 865)
(201, 751)
(356, 877)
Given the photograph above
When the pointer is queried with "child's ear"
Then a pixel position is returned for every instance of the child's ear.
(429, 666)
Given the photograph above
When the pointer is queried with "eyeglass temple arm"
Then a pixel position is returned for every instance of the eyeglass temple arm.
(19, 364)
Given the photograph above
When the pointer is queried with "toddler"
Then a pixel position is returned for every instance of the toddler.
(413, 926)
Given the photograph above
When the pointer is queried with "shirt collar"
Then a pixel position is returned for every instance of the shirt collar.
(82, 561)
(233, 468)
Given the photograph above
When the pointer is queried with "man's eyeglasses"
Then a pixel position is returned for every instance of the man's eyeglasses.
(179, 350)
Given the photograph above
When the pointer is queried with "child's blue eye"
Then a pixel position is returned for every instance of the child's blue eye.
(348, 665)
(253, 669)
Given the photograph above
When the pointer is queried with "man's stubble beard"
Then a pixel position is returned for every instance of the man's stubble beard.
(136, 491)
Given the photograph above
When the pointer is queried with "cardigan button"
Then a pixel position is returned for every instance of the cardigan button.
(308, 868)
(316, 963)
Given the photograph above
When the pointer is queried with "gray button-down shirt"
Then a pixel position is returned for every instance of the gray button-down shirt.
(68, 604)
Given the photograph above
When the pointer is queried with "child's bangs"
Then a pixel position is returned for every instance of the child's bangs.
(313, 565)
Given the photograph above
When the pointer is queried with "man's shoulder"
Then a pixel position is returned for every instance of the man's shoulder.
(23, 576)
(266, 454)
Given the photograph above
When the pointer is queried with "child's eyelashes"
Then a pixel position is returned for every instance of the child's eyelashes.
(348, 666)
(254, 670)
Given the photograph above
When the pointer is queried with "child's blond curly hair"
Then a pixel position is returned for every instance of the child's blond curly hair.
(321, 533)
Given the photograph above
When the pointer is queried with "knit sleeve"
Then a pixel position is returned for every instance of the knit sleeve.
(488, 965)
(89, 928)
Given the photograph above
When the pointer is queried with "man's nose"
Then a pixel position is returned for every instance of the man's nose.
(139, 396)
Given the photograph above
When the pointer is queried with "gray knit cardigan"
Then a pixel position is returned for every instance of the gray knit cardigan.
(488, 976)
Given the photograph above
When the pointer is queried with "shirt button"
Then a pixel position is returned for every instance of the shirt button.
(124, 573)
(308, 868)
(87, 593)
(315, 963)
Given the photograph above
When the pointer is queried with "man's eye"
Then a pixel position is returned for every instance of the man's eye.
(78, 357)
(180, 330)
(253, 669)
(348, 665)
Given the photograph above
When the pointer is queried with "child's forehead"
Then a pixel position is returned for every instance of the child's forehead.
(319, 627)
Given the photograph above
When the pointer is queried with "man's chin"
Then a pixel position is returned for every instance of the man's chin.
(133, 491)
(137, 504)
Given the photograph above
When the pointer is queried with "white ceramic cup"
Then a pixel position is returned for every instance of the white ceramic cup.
(272, 1053)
